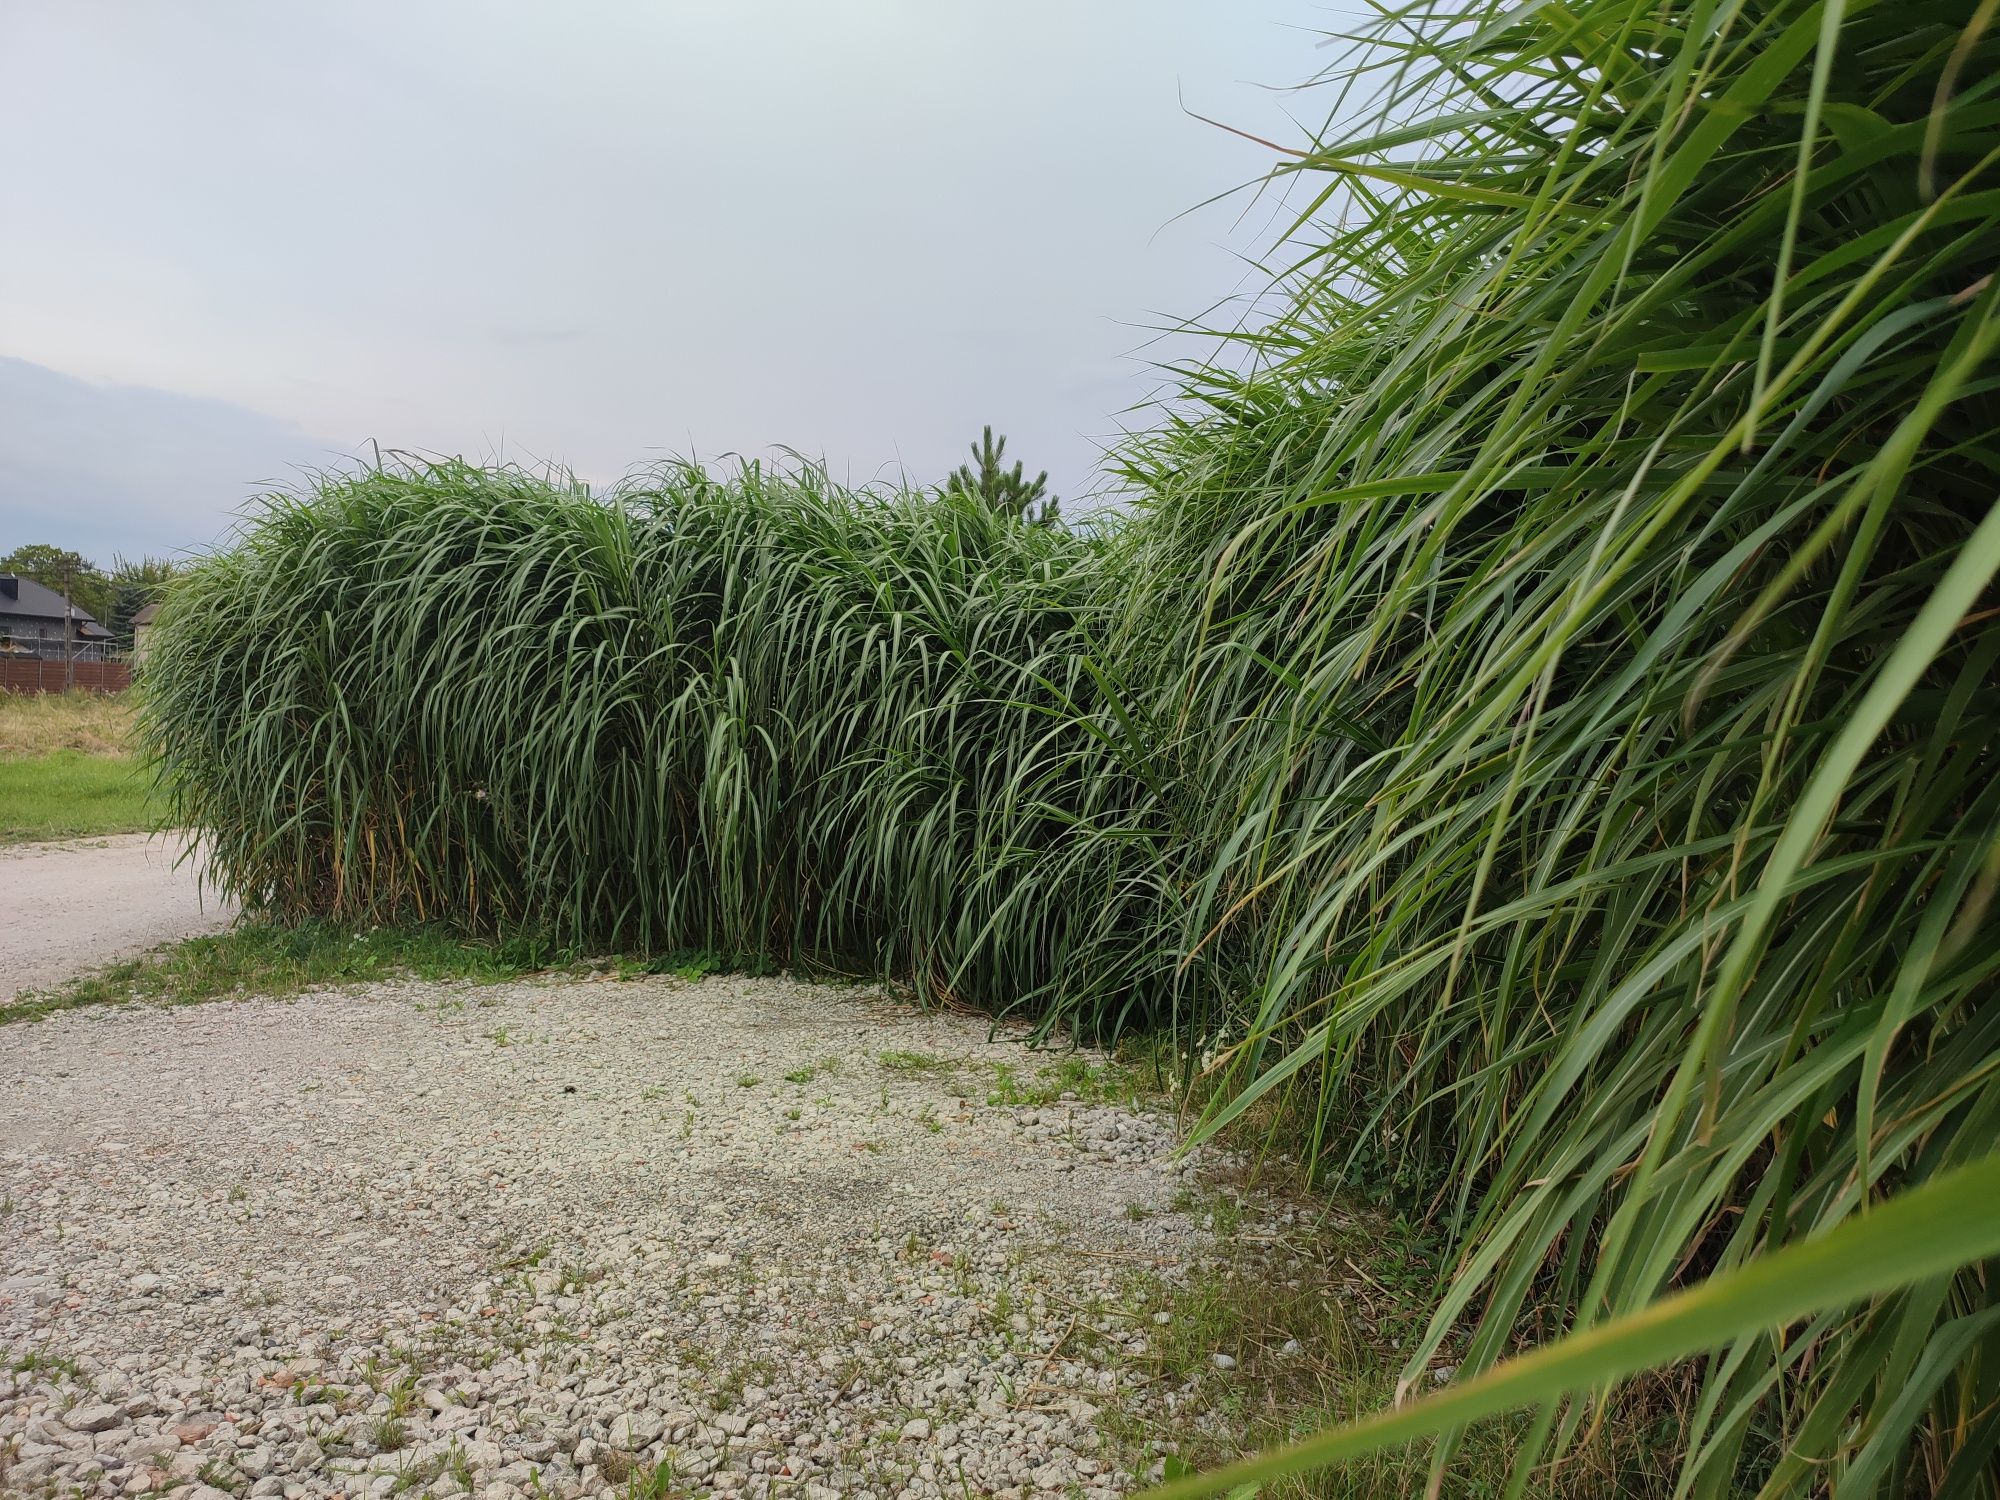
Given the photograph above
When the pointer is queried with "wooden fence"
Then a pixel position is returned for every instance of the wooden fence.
(36, 676)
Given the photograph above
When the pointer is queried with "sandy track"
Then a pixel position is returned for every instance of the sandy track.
(67, 907)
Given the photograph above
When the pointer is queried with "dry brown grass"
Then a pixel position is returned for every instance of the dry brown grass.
(34, 724)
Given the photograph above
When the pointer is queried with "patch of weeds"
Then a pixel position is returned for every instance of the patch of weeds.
(694, 964)
(416, 1474)
(218, 1475)
(654, 1481)
(914, 1062)
(278, 959)
(1216, 1210)
(852, 1372)
(402, 1395)
(311, 1390)
(36, 1362)
(1094, 1083)
(1007, 1092)
(498, 1037)
(1310, 1342)
(961, 1274)
(747, 1080)
(927, 1117)
(728, 1391)
(388, 1434)
(615, 1465)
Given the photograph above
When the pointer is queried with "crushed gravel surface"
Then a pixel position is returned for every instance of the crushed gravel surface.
(745, 1236)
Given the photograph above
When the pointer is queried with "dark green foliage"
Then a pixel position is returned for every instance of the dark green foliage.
(134, 585)
(1005, 492)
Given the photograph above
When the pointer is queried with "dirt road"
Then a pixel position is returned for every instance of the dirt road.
(67, 907)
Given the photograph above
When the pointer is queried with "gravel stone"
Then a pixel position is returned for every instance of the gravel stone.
(96, 1417)
(634, 1430)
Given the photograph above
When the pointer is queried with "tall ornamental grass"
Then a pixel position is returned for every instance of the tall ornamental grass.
(1591, 709)
(1538, 725)
(763, 716)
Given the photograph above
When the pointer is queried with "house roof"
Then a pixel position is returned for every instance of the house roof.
(23, 598)
(146, 615)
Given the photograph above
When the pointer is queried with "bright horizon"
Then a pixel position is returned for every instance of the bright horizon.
(246, 241)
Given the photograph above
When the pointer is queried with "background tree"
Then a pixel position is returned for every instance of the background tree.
(1008, 491)
(134, 585)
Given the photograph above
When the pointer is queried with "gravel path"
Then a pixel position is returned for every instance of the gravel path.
(543, 1238)
(71, 906)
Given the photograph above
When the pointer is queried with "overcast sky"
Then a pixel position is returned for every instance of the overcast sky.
(239, 239)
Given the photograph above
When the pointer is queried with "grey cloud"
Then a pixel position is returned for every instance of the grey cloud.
(592, 233)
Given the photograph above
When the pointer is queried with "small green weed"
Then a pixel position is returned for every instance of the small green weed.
(37, 1362)
(914, 1062)
(416, 1474)
(654, 1482)
(1090, 1082)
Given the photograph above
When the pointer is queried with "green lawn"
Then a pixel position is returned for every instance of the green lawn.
(68, 794)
